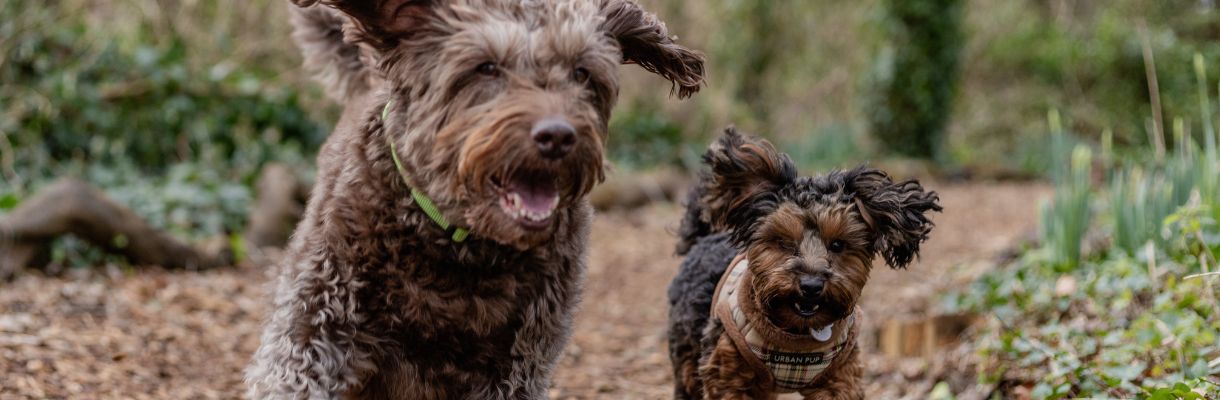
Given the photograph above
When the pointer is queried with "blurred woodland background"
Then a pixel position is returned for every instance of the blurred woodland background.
(134, 93)
(174, 107)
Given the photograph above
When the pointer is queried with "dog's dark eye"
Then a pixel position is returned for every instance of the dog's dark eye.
(488, 68)
(580, 75)
(836, 246)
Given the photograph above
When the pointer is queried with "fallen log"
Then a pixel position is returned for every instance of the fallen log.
(73, 207)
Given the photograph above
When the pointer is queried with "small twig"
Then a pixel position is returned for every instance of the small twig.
(1201, 275)
(1150, 249)
(125, 91)
(1154, 91)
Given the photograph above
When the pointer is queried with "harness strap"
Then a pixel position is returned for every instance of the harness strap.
(725, 313)
(777, 374)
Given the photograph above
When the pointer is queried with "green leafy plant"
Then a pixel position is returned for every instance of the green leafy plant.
(1139, 203)
(1138, 319)
(1065, 219)
(171, 121)
(96, 102)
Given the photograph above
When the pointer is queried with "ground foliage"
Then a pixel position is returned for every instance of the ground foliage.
(1119, 298)
(167, 120)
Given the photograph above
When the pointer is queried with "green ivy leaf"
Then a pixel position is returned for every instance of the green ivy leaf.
(9, 201)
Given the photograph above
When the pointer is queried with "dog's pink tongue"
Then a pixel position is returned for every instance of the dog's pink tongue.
(537, 194)
(538, 199)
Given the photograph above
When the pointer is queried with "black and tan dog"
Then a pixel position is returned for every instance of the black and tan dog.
(443, 248)
(797, 251)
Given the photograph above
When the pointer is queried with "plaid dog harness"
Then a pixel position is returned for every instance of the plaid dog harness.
(788, 363)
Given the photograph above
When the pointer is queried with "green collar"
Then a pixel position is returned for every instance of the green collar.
(458, 234)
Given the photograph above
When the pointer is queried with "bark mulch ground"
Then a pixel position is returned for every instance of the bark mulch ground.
(115, 333)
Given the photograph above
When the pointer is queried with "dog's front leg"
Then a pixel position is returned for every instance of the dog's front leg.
(545, 330)
(726, 375)
(310, 347)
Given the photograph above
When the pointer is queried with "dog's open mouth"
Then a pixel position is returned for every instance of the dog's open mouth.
(805, 308)
(530, 198)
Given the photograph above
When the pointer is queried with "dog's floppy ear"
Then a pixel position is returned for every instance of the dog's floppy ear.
(379, 22)
(644, 40)
(742, 185)
(896, 212)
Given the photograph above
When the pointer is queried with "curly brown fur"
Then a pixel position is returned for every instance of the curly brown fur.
(810, 241)
(373, 299)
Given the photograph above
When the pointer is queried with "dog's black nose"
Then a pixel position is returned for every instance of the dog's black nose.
(554, 137)
(812, 286)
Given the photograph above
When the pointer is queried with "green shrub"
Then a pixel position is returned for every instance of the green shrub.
(70, 96)
(641, 137)
(1091, 64)
(916, 76)
(172, 121)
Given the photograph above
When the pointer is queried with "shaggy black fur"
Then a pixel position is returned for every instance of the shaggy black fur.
(690, 296)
